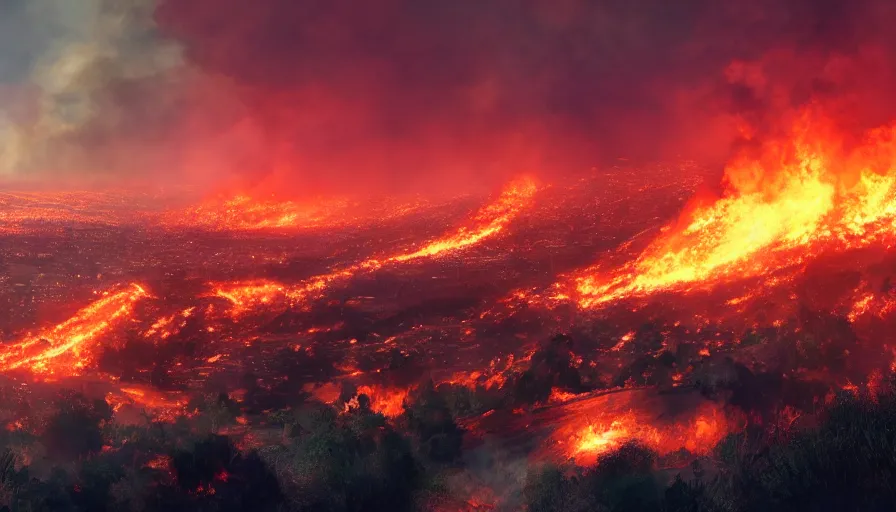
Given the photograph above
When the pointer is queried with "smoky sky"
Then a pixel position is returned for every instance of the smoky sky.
(310, 96)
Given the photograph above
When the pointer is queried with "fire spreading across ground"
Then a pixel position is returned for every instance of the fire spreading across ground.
(750, 308)
(805, 196)
(488, 222)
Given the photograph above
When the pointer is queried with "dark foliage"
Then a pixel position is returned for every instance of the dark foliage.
(352, 459)
(218, 477)
(429, 419)
(552, 366)
(348, 462)
(848, 463)
(74, 431)
(623, 480)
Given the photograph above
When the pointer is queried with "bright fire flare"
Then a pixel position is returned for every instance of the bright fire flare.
(587, 428)
(805, 195)
(65, 349)
(597, 439)
(387, 401)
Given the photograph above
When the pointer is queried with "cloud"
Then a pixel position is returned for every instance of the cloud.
(322, 96)
(64, 60)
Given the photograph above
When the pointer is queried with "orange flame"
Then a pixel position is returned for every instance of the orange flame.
(592, 428)
(64, 350)
(387, 401)
(487, 223)
(806, 193)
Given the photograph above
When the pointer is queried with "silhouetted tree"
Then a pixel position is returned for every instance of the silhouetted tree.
(429, 419)
(75, 429)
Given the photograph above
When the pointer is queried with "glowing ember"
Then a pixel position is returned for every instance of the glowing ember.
(66, 349)
(806, 195)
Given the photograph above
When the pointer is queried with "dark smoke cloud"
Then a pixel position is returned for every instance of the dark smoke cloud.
(312, 95)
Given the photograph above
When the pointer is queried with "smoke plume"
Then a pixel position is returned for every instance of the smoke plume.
(334, 95)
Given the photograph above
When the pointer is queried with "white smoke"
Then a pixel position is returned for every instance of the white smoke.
(63, 56)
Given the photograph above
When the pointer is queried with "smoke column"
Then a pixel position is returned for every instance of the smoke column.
(318, 96)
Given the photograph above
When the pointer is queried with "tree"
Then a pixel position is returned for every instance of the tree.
(75, 429)
(437, 435)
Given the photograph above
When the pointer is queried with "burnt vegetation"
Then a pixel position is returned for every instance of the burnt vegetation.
(318, 457)
(846, 462)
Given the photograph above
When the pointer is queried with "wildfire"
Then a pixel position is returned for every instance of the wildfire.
(165, 406)
(387, 401)
(21, 211)
(871, 305)
(245, 296)
(244, 213)
(591, 427)
(487, 223)
(698, 434)
(806, 194)
(65, 349)
(597, 439)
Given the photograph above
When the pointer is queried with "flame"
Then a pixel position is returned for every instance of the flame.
(245, 296)
(165, 406)
(699, 435)
(244, 213)
(487, 223)
(805, 195)
(65, 349)
(597, 439)
(387, 401)
(593, 426)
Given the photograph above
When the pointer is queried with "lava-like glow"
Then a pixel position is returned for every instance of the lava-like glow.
(598, 439)
(591, 427)
(66, 349)
(872, 305)
(164, 406)
(244, 213)
(806, 194)
(487, 223)
(387, 401)
(245, 296)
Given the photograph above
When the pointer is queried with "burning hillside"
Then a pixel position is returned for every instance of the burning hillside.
(716, 326)
(410, 254)
(802, 196)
